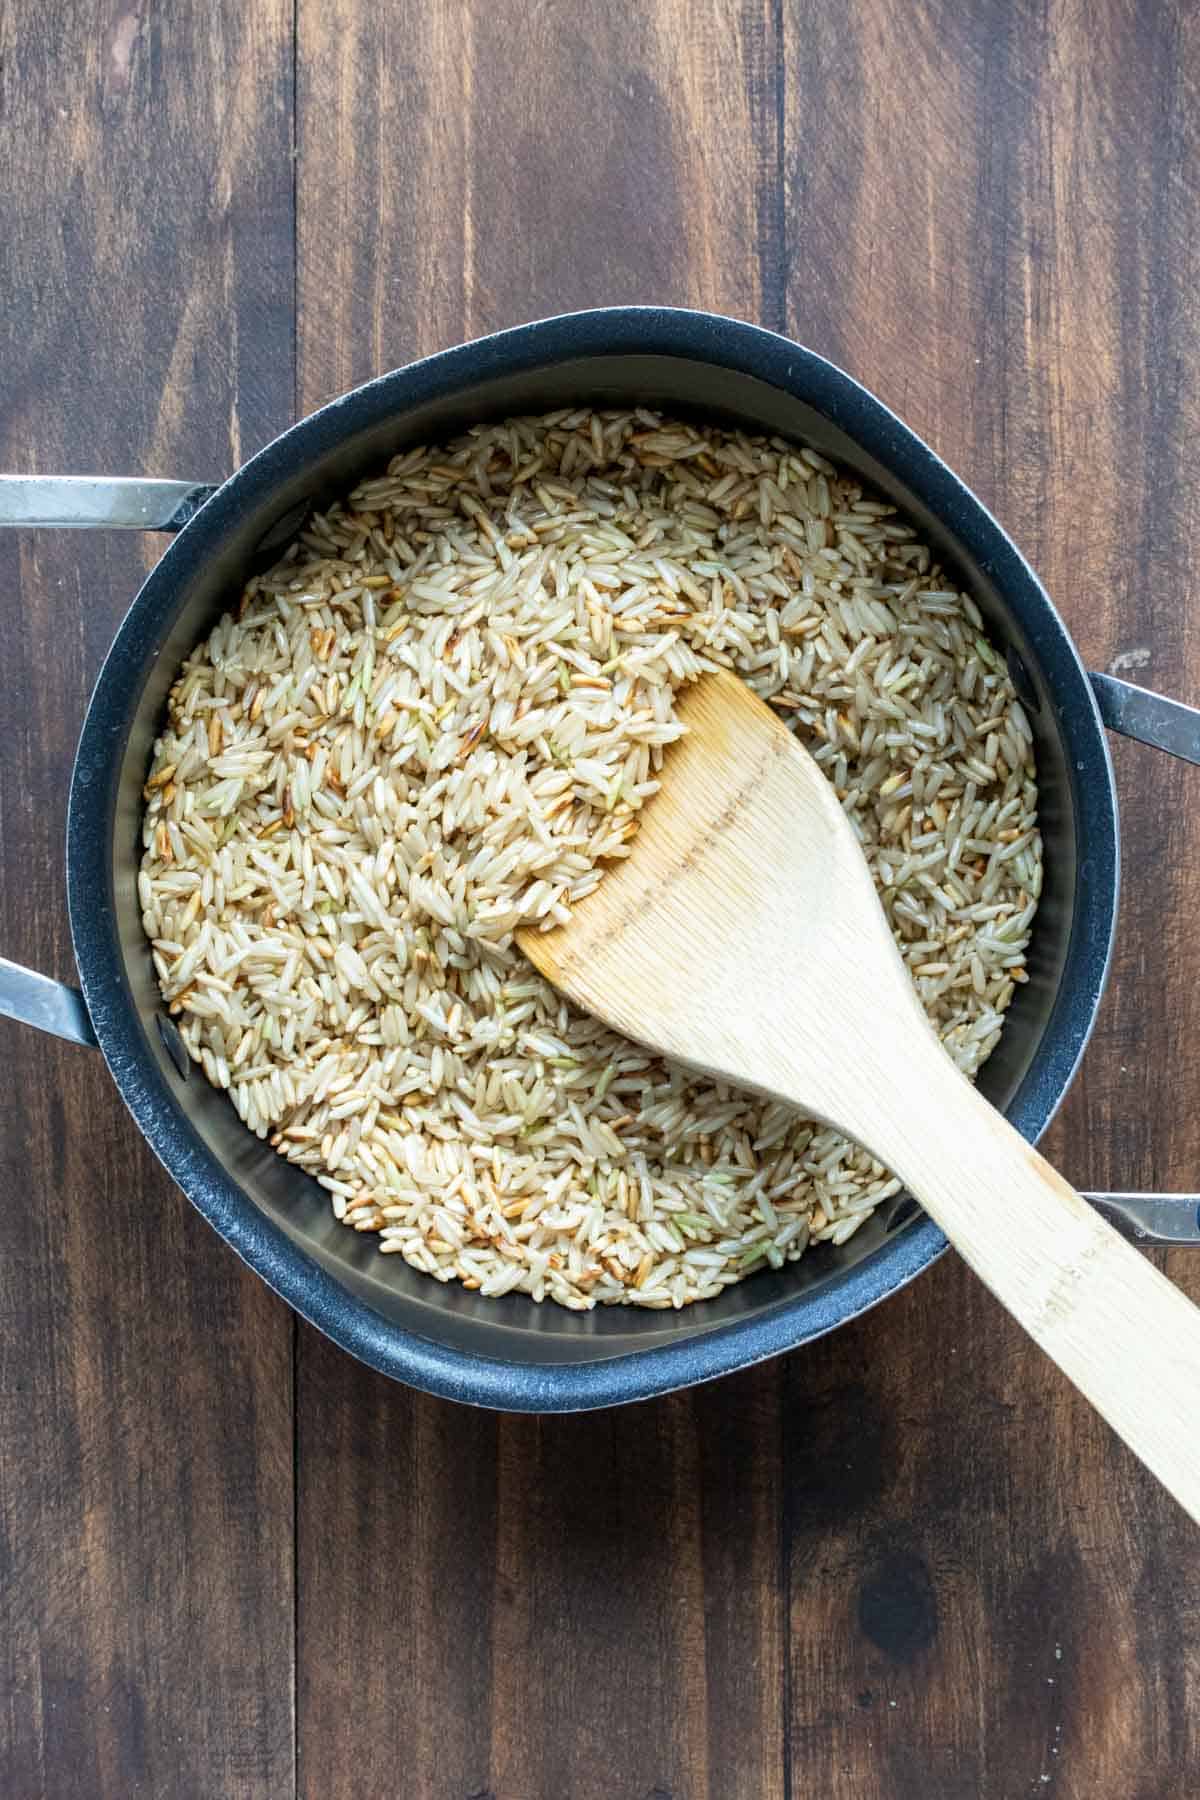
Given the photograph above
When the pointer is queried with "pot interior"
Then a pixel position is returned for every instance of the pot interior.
(201, 575)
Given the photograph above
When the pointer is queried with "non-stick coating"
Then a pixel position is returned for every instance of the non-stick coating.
(510, 1353)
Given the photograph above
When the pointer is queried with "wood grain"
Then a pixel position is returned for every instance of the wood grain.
(535, 159)
(145, 1404)
(907, 1564)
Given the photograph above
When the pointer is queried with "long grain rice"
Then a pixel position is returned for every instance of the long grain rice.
(437, 718)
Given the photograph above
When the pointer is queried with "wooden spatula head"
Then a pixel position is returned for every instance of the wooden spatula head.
(745, 905)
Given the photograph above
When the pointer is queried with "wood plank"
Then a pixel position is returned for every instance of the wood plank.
(638, 165)
(587, 1606)
(999, 237)
(636, 1634)
(145, 1376)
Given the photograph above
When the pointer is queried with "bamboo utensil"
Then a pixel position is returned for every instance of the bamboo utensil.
(743, 935)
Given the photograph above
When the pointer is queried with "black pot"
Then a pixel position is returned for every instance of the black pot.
(509, 1352)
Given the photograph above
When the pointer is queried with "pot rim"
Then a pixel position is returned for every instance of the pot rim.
(436, 1367)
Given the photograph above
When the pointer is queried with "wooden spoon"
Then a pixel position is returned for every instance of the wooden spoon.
(743, 935)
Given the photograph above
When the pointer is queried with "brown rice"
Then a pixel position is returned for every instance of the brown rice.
(437, 717)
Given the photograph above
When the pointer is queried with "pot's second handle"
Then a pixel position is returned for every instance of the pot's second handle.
(1153, 1221)
(52, 1006)
(1168, 725)
(1150, 718)
(80, 502)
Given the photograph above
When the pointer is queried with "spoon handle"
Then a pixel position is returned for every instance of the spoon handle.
(1127, 1338)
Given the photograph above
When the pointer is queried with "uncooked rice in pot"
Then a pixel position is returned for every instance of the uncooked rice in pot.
(436, 719)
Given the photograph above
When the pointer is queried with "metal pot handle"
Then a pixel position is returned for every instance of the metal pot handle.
(34, 999)
(1150, 718)
(1171, 726)
(81, 502)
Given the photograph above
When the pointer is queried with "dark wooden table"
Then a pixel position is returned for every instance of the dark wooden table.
(907, 1563)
